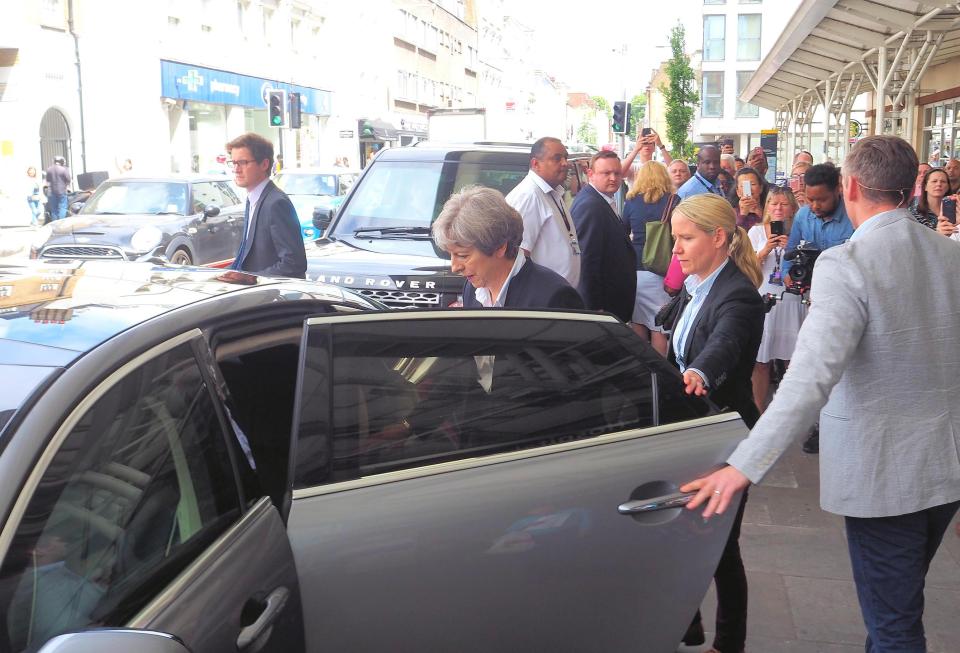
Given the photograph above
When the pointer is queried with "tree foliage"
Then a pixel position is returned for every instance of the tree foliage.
(680, 95)
(602, 104)
(587, 133)
(638, 110)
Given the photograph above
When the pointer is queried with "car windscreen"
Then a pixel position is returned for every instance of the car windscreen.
(410, 194)
(148, 197)
(300, 184)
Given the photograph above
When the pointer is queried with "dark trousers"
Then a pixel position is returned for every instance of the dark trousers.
(731, 581)
(890, 557)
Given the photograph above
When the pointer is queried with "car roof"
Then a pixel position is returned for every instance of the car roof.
(318, 171)
(53, 312)
(173, 177)
(436, 151)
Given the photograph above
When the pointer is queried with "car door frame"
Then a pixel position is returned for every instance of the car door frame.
(259, 523)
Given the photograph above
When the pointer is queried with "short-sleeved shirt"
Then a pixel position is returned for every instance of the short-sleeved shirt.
(548, 230)
(698, 185)
(824, 233)
(58, 178)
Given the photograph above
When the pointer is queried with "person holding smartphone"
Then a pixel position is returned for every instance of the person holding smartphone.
(748, 196)
(648, 142)
(782, 322)
(947, 221)
(927, 206)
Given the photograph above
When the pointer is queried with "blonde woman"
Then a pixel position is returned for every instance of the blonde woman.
(783, 321)
(651, 199)
(714, 343)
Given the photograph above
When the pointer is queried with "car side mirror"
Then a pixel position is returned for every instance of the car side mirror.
(75, 207)
(211, 211)
(115, 639)
(322, 218)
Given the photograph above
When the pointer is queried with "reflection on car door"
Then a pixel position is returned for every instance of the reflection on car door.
(139, 520)
(458, 477)
(215, 238)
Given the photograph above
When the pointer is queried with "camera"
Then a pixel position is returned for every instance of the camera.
(801, 270)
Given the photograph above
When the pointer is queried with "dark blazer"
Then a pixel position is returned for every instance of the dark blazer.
(608, 279)
(534, 287)
(724, 340)
(274, 246)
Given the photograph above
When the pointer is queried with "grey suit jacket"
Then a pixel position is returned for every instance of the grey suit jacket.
(879, 353)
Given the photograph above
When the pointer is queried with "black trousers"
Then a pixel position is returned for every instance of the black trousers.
(731, 581)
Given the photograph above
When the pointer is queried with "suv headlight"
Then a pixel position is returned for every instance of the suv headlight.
(146, 239)
(41, 237)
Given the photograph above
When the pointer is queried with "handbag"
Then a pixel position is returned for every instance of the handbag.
(669, 313)
(658, 246)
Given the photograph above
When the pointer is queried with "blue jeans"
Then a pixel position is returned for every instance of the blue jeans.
(58, 206)
(36, 211)
(890, 557)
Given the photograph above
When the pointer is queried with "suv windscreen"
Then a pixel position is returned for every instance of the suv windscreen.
(410, 194)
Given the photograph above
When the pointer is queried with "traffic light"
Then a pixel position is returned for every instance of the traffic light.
(621, 117)
(275, 108)
(295, 118)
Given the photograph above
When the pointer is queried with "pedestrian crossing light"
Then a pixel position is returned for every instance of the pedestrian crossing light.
(621, 117)
(275, 108)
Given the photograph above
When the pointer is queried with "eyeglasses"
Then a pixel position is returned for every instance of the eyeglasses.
(239, 163)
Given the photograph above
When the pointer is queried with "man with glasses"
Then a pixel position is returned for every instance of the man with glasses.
(797, 183)
(272, 245)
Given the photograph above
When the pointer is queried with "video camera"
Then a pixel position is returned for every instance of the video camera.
(801, 273)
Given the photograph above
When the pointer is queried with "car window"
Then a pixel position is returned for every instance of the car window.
(346, 183)
(230, 198)
(393, 193)
(206, 193)
(307, 184)
(139, 487)
(501, 177)
(382, 396)
(147, 197)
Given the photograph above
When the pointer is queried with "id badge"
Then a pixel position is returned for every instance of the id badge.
(575, 246)
(776, 278)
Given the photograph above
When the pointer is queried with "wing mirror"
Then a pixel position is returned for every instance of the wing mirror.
(211, 211)
(75, 207)
(322, 218)
(115, 639)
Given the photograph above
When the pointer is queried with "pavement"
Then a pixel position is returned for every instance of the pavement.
(801, 593)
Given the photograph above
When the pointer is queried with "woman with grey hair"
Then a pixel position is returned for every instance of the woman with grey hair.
(482, 233)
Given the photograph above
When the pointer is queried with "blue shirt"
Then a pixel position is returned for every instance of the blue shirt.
(697, 185)
(824, 233)
(698, 295)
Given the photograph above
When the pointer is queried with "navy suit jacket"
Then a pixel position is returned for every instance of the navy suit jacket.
(534, 287)
(274, 244)
(608, 262)
(724, 340)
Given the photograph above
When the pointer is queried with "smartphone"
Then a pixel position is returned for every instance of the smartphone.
(747, 188)
(776, 228)
(949, 207)
(645, 131)
(728, 141)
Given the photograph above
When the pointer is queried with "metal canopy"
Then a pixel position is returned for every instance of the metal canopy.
(835, 50)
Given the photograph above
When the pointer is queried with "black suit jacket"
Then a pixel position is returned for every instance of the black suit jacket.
(274, 244)
(534, 287)
(724, 340)
(608, 262)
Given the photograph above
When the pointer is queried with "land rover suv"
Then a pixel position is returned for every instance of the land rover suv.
(379, 243)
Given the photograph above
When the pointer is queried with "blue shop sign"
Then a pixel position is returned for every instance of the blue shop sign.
(198, 84)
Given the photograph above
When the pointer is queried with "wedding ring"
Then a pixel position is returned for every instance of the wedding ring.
(717, 492)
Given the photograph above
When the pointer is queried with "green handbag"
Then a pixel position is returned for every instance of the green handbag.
(658, 245)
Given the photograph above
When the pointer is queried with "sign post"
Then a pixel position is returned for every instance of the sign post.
(768, 141)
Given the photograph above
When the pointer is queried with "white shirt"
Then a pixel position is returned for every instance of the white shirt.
(698, 289)
(253, 196)
(483, 294)
(548, 231)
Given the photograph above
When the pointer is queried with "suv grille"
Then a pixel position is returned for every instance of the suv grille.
(81, 251)
(403, 298)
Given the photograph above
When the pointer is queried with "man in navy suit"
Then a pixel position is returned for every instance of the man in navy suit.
(482, 233)
(272, 244)
(608, 280)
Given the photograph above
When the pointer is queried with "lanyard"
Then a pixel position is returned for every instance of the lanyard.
(710, 189)
(563, 214)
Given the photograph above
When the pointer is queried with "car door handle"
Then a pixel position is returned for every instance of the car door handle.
(666, 502)
(274, 604)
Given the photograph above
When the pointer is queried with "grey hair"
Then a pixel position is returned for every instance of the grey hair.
(727, 157)
(885, 167)
(478, 217)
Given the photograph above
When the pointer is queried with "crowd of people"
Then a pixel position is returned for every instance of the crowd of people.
(700, 266)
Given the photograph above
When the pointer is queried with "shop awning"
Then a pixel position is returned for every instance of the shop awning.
(833, 50)
(378, 129)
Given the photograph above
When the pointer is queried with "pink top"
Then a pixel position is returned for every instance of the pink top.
(675, 275)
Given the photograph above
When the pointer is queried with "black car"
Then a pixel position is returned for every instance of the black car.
(258, 464)
(379, 242)
(183, 219)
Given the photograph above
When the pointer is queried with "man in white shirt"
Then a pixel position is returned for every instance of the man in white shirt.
(549, 235)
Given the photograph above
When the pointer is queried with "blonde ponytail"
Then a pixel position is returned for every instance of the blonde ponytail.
(741, 251)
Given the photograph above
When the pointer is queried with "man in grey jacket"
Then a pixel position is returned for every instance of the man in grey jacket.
(877, 359)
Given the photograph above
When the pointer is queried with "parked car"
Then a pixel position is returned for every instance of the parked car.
(184, 219)
(379, 243)
(259, 464)
(315, 191)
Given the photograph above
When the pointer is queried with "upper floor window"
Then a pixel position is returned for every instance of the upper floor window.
(714, 37)
(745, 109)
(748, 37)
(712, 100)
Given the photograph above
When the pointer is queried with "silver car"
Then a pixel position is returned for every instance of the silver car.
(207, 461)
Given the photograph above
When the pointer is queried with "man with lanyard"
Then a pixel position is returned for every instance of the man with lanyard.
(549, 235)
(705, 180)
(823, 223)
